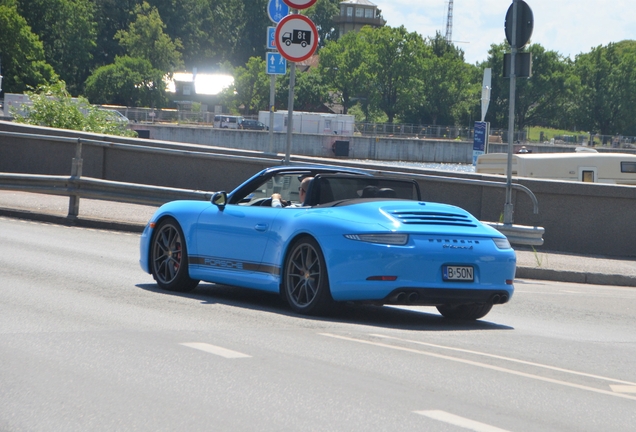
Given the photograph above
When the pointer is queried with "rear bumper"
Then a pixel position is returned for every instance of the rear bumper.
(439, 296)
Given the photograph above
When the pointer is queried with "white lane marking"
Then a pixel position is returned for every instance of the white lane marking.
(623, 388)
(482, 365)
(554, 368)
(213, 349)
(462, 422)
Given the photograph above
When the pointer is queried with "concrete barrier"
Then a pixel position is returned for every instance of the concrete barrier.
(583, 218)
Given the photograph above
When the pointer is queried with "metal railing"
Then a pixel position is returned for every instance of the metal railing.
(76, 187)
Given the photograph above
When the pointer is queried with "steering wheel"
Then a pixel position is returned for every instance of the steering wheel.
(262, 202)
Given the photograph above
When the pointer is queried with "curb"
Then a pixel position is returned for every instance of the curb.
(575, 277)
(74, 222)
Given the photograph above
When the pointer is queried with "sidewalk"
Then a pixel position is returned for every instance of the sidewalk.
(131, 217)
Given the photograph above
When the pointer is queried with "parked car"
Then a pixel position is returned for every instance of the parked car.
(252, 125)
(340, 245)
(115, 116)
(227, 121)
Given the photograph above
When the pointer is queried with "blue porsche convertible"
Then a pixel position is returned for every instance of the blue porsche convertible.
(355, 237)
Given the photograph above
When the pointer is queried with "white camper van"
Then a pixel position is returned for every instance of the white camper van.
(584, 165)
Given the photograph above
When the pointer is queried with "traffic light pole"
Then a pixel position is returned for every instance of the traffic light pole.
(508, 206)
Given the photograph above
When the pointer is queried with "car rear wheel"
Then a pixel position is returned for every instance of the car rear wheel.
(305, 281)
(169, 258)
(465, 311)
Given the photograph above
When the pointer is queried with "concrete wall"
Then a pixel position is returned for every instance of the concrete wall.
(581, 218)
(374, 148)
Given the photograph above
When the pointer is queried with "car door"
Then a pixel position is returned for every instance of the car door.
(231, 242)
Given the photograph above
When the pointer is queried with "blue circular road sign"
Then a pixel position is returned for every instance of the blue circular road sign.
(277, 10)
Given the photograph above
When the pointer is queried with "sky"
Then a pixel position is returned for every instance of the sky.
(568, 27)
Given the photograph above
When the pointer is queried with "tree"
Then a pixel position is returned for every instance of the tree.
(221, 33)
(444, 87)
(344, 68)
(53, 106)
(542, 100)
(145, 38)
(68, 31)
(251, 87)
(22, 54)
(129, 82)
(453, 86)
(310, 92)
(607, 98)
(322, 14)
(393, 64)
(111, 16)
(254, 27)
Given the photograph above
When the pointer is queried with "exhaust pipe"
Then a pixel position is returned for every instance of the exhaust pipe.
(398, 297)
(504, 299)
(413, 297)
(496, 299)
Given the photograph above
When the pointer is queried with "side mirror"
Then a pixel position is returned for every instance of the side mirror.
(219, 199)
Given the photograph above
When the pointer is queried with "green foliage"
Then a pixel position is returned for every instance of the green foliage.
(68, 31)
(344, 68)
(310, 92)
(129, 82)
(251, 88)
(607, 97)
(547, 98)
(322, 14)
(53, 106)
(23, 62)
(124, 47)
(145, 38)
(394, 60)
(445, 87)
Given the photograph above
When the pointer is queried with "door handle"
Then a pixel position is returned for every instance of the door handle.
(261, 227)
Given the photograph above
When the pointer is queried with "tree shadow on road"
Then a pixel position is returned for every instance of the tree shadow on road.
(418, 318)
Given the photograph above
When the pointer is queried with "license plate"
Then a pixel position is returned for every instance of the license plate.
(458, 273)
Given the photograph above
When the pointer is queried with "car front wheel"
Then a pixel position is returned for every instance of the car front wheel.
(169, 258)
(465, 311)
(305, 281)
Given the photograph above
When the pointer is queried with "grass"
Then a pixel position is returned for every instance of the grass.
(538, 257)
(534, 134)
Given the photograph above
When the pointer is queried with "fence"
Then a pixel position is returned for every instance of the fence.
(462, 133)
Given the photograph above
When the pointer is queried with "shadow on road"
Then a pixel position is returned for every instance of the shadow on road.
(420, 318)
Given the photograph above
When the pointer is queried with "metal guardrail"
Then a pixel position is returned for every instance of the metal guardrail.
(76, 186)
(91, 188)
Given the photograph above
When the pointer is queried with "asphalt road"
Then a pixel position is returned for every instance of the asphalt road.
(88, 342)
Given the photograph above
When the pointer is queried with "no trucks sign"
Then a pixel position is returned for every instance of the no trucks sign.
(296, 38)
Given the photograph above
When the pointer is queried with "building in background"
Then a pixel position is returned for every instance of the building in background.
(355, 14)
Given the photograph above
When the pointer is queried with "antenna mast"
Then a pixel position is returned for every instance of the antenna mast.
(449, 23)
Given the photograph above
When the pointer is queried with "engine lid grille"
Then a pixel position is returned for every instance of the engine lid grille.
(433, 218)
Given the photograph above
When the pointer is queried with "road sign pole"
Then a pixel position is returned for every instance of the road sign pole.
(290, 111)
(508, 207)
(272, 102)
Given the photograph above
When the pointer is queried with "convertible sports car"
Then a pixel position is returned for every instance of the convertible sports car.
(356, 237)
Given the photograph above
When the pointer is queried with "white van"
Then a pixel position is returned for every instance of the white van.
(227, 121)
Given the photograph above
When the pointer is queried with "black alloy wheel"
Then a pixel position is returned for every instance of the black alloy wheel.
(169, 258)
(305, 281)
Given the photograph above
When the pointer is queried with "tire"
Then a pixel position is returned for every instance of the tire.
(169, 258)
(305, 280)
(465, 311)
